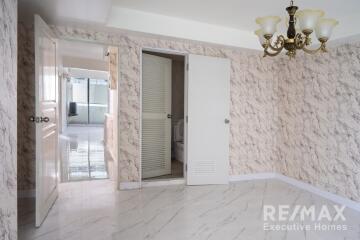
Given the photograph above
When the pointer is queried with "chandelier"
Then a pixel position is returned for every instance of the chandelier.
(308, 19)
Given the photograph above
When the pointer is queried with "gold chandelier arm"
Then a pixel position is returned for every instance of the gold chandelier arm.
(277, 47)
(301, 41)
(279, 44)
(322, 48)
(267, 53)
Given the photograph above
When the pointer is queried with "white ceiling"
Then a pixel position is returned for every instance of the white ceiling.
(82, 50)
(75, 54)
(65, 11)
(240, 14)
(229, 22)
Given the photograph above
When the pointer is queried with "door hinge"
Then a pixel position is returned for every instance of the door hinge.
(187, 67)
(187, 119)
(186, 167)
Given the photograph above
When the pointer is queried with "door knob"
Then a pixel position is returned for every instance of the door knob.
(227, 121)
(169, 116)
(39, 119)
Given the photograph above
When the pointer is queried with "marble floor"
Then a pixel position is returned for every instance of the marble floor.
(96, 211)
(82, 153)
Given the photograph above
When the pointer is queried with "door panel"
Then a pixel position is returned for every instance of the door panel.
(207, 128)
(156, 126)
(46, 104)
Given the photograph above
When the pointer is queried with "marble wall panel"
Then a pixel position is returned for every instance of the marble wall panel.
(8, 115)
(26, 108)
(319, 115)
(253, 100)
(299, 117)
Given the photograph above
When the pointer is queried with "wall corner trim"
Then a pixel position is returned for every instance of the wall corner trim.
(299, 184)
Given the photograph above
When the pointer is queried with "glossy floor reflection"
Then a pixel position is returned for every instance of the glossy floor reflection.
(82, 154)
(96, 211)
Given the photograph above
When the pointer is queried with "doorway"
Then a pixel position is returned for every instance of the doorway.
(199, 135)
(85, 103)
(163, 112)
(69, 150)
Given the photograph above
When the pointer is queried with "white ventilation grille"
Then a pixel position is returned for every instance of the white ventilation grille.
(205, 168)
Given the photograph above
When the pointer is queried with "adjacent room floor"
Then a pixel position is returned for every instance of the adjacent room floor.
(177, 169)
(82, 153)
(96, 211)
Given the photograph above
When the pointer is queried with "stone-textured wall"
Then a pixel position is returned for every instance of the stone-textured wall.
(8, 113)
(319, 111)
(26, 107)
(300, 118)
(253, 99)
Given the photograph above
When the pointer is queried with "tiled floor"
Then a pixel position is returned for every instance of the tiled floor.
(96, 211)
(82, 154)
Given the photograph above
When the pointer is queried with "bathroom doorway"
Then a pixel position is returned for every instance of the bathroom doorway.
(163, 107)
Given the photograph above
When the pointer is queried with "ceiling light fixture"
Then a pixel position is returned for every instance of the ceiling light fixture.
(308, 20)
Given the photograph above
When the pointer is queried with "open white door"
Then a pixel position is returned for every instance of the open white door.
(156, 116)
(46, 119)
(208, 124)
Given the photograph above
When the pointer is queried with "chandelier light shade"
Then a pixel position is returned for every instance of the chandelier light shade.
(268, 24)
(325, 27)
(308, 19)
(301, 25)
(260, 34)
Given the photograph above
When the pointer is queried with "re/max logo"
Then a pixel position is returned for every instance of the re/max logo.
(312, 213)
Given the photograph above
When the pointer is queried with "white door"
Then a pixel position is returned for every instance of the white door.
(46, 87)
(156, 116)
(208, 124)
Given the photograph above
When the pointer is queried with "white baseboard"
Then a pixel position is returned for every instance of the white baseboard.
(165, 182)
(299, 184)
(249, 177)
(318, 191)
(129, 185)
(26, 193)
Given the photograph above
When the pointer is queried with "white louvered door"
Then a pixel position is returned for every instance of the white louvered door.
(156, 112)
(208, 124)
